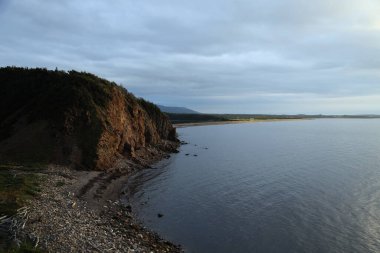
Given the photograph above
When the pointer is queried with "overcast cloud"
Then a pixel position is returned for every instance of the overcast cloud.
(237, 56)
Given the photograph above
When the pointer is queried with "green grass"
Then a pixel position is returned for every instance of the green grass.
(16, 186)
(24, 248)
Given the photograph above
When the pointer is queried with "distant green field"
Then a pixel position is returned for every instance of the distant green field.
(176, 118)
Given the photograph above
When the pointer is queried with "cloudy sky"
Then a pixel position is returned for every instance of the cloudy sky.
(236, 56)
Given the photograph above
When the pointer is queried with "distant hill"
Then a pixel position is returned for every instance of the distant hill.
(174, 109)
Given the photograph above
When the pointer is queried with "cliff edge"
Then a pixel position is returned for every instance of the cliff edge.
(75, 118)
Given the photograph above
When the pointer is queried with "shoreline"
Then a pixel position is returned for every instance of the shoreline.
(81, 211)
(212, 123)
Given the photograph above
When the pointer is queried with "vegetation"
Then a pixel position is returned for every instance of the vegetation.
(149, 107)
(160, 119)
(35, 91)
(16, 186)
(25, 247)
(193, 118)
(56, 97)
(196, 118)
(55, 112)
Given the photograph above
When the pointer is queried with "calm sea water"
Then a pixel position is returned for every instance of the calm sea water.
(295, 186)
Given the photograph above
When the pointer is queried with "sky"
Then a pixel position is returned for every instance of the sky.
(214, 56)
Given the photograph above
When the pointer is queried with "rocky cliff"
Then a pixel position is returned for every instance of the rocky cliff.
(75, 118)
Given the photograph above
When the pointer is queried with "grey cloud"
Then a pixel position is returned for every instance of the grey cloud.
(198, 53)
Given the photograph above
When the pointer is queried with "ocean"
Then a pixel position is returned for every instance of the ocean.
(286, 186)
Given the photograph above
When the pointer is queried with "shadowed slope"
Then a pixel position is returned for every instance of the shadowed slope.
(75, 118)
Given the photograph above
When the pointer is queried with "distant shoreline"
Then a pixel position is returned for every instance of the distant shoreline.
(210, 123)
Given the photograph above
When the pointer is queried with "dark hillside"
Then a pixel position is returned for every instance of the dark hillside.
(74, 118)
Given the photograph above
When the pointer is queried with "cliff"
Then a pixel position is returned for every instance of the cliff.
(75, 118)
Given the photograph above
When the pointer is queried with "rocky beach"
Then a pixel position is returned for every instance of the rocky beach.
(80, 211)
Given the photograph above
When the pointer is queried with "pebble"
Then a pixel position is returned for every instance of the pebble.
(64, 228)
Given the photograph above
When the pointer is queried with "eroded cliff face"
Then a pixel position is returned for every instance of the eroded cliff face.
(76, 118)
(128, 127)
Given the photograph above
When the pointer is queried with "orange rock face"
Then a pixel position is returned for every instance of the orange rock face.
(129, 127)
